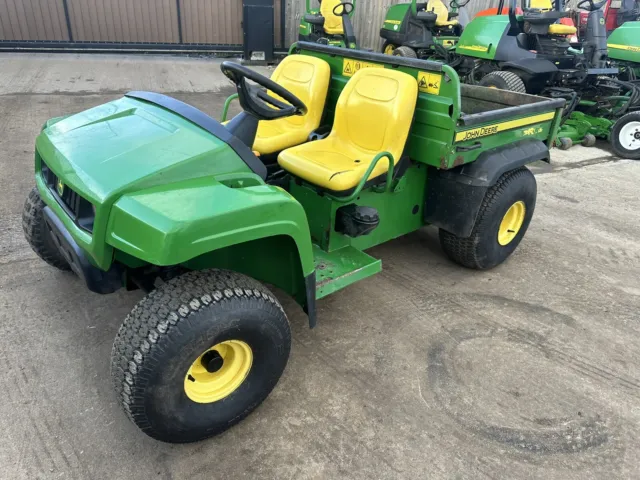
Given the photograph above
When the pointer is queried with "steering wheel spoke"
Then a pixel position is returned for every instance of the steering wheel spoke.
(258, 102)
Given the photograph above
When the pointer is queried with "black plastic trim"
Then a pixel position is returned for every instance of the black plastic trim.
(97, 280)
(310, 306)
(370, 56)
(510, 113)
(207, 123)
(491, 164)
(533, 66)
(454, 196)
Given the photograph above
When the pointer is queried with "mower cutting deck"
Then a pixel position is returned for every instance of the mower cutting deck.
(323, 163)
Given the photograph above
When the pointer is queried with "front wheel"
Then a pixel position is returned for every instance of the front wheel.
(388, 48)
(406, 52)
(504, 81)
(199, 354)
(625, 136)
(502, 221)
(37, 234)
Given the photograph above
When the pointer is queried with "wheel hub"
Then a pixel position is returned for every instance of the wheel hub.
(511, 223)
(212, 361)
(218, 372)
(629, 136)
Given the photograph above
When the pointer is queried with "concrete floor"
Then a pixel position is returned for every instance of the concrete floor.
(427, 370)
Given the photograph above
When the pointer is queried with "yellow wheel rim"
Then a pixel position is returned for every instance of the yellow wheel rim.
(218, 372)
(511, 223)
(388, 50)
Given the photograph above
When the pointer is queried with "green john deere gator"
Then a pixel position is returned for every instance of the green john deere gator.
(419, 30)
(340, 151)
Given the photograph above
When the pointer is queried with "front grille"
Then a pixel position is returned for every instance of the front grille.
(78, 208)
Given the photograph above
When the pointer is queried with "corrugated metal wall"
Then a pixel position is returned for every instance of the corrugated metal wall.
(201, 22)
(124, 20)
(32, 20)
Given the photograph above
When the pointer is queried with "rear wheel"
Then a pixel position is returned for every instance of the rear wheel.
(625, 136)
(37, 234)
(504, 81)
(199, 354)
(407, 52)
(388, 48)
(502, 221)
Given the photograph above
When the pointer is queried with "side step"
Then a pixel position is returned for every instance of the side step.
(341, 268)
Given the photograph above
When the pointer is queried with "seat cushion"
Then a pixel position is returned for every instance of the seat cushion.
(327, 164)
(373, 114)
(276, 135)
(559, 29)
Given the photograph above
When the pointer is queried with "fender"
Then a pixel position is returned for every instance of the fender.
(534, 66)
(454, 196)
(202, 223)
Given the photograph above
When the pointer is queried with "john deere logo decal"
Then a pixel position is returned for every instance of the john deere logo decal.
(60, 187)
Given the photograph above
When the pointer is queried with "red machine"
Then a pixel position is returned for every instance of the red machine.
(616, 12)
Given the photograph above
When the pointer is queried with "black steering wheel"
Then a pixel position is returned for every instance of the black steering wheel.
(347, 8)
(257, 102)
(592, 6)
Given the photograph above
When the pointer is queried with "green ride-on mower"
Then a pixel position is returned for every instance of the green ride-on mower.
(532, 53)
(418, 30)
(624, 52)
(330, 25)
(322, 164)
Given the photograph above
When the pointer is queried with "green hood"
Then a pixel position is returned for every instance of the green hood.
(129, 145)
(624, 42)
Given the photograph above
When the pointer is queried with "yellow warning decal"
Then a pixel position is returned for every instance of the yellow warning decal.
(501, 127)
(393, 22)
(350, 66)
(476, 48)
(448, 43)
(429, 82)
(623, 47)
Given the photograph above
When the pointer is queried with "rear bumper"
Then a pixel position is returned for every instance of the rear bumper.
(97, 280)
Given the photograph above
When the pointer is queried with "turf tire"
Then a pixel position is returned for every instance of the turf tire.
(37, 234)
(169, 328)
(481, 249)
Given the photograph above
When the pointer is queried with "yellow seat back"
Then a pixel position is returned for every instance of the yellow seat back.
(308, 79)
(440, 9)
(544, 5)
(332, 23)
(375, 110)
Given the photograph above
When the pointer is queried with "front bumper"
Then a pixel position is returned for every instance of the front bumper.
(97, 280)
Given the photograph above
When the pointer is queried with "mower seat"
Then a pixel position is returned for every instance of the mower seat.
(440, 9)
(373, 115)
(308, 79)
(332, 23)
(545, 11)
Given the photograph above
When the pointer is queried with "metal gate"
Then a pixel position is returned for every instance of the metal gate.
(186, 25)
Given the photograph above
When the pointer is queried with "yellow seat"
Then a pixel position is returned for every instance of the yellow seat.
(440, 9)
(373, 114)
(308, 79)
(560, 29)
(332, 23)
(542, 5)
(554, 28)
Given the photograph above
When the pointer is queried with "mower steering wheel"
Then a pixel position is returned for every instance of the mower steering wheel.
(345, 10)
(255, 101)
(592, 6)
